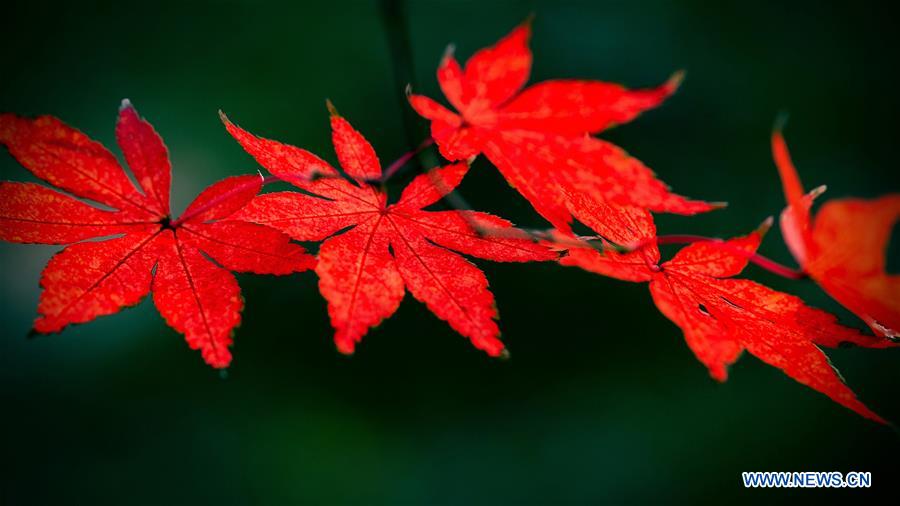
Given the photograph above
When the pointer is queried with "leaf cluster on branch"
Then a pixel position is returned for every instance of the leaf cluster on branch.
(123, 243)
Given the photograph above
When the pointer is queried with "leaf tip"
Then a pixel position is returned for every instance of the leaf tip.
(675, 80)
(407, 90)
(344, 346)
(224, 117)
(718, 372)
(529, 20)
(781, 120)
(817, 191)
(504, 354)
(332, 110)
(449, 51)
(764, 227)
(864, 410)
(125, 104)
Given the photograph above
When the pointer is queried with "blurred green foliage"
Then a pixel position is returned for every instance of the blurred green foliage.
(601, 399)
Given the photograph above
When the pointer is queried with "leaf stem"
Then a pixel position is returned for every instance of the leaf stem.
(404, 159)
(760, 260)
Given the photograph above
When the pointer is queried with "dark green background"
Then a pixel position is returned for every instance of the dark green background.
(601, 400)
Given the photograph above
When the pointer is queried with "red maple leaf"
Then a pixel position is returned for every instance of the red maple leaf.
(385, 247)
(539, 137)
(88, 279)
(844, 248)
(722, 317)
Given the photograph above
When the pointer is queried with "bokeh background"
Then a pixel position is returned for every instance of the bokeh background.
(601, 399)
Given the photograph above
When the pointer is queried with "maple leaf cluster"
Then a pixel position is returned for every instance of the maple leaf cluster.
(122, 242)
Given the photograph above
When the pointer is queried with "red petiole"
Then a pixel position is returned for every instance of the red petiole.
(760, 260)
